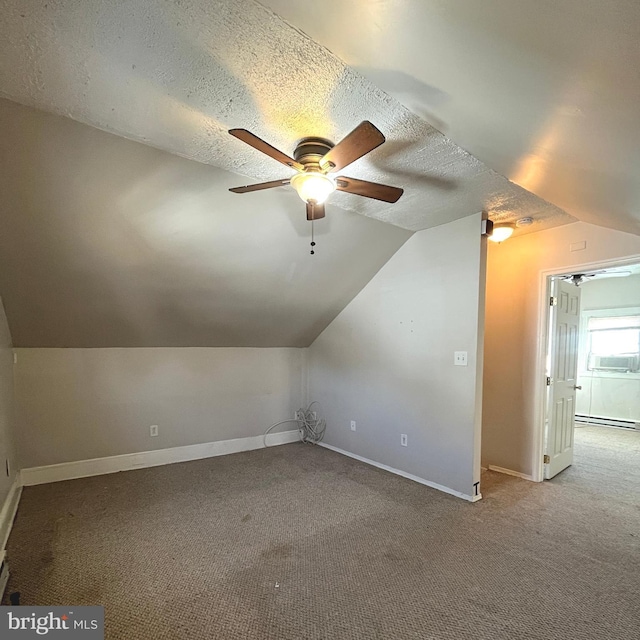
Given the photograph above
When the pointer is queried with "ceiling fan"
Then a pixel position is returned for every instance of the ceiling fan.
(579, 278)
(315, 159)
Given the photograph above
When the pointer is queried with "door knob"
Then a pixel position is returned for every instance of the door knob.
(579, 388)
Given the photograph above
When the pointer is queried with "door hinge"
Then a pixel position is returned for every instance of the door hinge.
(549, 381)
(546, 459)
(553, 301)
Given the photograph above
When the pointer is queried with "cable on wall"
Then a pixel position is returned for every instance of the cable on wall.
(311, 427)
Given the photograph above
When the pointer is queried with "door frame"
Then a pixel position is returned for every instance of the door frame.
(542, 347)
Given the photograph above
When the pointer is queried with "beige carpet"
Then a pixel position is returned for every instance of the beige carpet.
(299, 542)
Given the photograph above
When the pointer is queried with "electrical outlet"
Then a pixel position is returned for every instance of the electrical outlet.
(403, 439)
(460, 358)
(153, 430)
(353, 425)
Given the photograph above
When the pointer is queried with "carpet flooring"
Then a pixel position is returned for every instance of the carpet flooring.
(298, 542)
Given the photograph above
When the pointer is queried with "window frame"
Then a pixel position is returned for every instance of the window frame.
(584, 342)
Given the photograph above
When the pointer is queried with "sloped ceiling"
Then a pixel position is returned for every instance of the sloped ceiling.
(113, 242)
(546, 93)
(178, 75)
(107, 242)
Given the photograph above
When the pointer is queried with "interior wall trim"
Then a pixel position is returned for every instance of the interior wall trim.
(404, 474)
(8, 513)
(510, 472)
(158, 457)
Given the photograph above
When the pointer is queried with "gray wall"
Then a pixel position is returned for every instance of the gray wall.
(386, 361)
(105, 242)
(608, 394)
(77, 404)
(6, 408)
(514, 339)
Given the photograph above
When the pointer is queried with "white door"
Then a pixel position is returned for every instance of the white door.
(561, 408)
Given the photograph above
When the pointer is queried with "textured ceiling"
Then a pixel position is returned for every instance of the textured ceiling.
(177, 75)
(109, 242)
(106, 242)
(546, 93)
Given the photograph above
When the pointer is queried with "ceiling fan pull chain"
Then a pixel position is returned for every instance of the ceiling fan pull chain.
(313, 244)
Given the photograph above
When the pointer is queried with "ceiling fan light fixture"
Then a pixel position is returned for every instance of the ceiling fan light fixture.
(501, 232)
(313, 187)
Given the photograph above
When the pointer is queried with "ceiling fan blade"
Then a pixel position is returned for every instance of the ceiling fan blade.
(259, 144)
(363, 139)
(315, 211)
(610, 274)
(261, 185)
(369, 189)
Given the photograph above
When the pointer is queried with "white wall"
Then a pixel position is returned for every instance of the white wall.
(608, 394)
(6, 408)
(77, 404)
(611, 293)
(514, 334)
(386, 361)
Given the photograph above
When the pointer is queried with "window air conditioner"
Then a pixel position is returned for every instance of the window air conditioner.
(613, 363)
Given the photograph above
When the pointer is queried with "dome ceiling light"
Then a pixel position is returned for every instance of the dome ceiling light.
(501, 232)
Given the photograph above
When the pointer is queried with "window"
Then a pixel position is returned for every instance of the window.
(614, 343)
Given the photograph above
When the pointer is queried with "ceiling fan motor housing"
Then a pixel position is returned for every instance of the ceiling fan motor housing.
(310, 151)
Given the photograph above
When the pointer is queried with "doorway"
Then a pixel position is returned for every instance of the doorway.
(592, 360)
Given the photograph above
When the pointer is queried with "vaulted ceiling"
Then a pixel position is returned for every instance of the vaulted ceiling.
(112, 242)
(545, 92)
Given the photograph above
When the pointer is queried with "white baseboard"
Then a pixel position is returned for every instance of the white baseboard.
(158, 457)
(509, 472)
(8, 513)
(404, 474)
